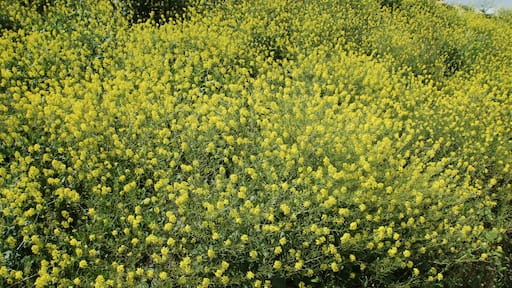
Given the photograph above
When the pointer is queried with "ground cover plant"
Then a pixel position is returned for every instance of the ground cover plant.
(254, 144)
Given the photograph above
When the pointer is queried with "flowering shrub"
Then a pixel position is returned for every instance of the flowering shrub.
(260, 143)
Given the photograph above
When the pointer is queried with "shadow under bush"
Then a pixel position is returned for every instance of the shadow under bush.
(159, 10)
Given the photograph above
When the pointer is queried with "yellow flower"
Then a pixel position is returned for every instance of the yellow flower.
(219, 273)
(392, 252)
(153, 239)
(42, 281)
(224, 265)
(120, 269)
(211, 253)
(299, 264)
(362, 207)
(100, 281)
(330, 202)
(150, 273)
(285, 208)
(277, 265)
(139, 271)
(205, 282)
(162, 275)
(185, 263)
(35, 249)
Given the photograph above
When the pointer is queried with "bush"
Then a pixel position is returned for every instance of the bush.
(325, 146)
(159, 10)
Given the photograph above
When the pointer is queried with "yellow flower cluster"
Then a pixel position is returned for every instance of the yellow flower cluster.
(256, 143)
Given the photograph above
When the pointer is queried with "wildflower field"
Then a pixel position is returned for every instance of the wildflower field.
(314, 143)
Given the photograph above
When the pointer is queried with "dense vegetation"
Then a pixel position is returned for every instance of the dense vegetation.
(314, 143)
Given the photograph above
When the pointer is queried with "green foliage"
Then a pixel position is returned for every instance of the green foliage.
(393, 4)
(143, 10)
(254, 143)
(160, 11)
